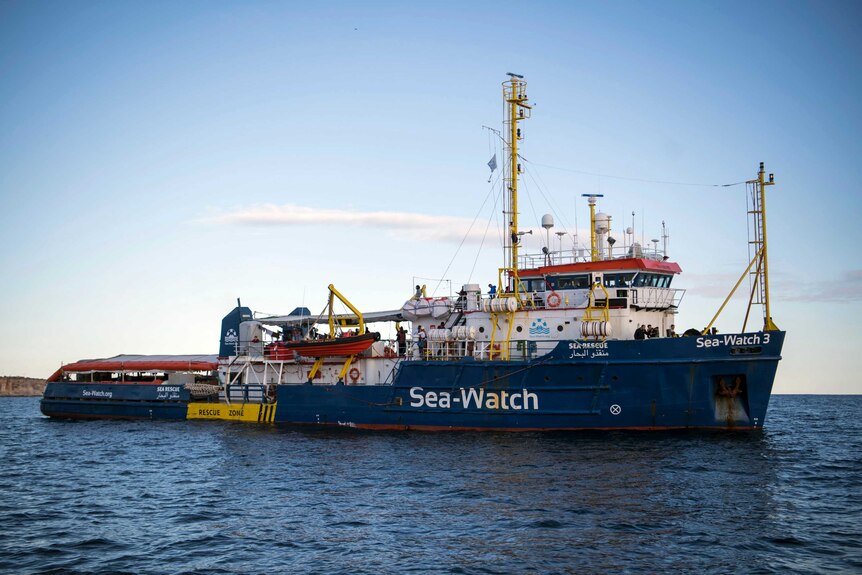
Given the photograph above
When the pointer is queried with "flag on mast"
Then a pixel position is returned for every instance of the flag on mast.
(493, 163)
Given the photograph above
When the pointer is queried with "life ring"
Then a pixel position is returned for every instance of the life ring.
(494, 352)
(354, 374)
(554, 300)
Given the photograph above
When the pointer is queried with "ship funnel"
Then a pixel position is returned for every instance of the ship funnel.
(229, 339)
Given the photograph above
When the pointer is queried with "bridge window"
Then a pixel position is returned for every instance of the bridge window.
(618, 280)
(652, 280)
(581, 281)
(531, 285)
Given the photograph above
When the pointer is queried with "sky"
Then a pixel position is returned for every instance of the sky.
(159, 160)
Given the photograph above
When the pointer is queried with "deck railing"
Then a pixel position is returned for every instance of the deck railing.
(554, 258)
(481, 350)
(655, 298)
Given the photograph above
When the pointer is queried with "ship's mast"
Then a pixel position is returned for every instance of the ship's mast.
(515, 95)
(760, 273)
(758, 213)
(594, 245)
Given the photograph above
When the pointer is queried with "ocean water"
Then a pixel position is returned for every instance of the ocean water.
(212, 497)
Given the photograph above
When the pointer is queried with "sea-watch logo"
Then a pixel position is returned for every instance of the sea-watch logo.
(230, 336)
(539, 327)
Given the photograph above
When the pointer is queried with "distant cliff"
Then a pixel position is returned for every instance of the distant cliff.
(21, 386)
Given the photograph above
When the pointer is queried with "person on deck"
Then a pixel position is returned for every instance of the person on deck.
(639, 332)
(460, 304)
(401, 337)
(422, 340)
(492, 291)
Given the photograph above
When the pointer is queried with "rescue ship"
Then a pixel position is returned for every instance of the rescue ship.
(558, 344)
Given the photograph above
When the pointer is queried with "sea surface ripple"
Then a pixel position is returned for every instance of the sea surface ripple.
(212, 497)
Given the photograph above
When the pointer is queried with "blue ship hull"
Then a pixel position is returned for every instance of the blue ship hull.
(722, 381)
(703, 382)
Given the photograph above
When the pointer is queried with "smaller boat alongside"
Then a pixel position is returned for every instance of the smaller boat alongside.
(131, 387)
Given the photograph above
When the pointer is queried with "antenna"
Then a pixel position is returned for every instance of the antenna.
(575, 237)
(664, 237)
(630, 249)
(560, 235)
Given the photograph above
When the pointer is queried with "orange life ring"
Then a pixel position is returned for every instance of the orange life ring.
(553, 300)
(354, 374)
(494, 352)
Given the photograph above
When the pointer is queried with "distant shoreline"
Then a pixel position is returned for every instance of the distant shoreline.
(21, 386)
(34, 387)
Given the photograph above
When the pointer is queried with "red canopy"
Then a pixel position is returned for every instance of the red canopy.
(605, 266)
(141, 363)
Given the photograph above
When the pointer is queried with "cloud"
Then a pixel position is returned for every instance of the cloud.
(711, 285)
(783, 287)
(845, 288)
(421, 227)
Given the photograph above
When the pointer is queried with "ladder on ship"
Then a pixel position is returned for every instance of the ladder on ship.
(596, 316)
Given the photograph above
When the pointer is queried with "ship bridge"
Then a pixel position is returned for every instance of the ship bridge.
(640, 282)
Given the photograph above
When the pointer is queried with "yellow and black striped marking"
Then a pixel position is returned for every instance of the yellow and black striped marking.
(267, 413)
